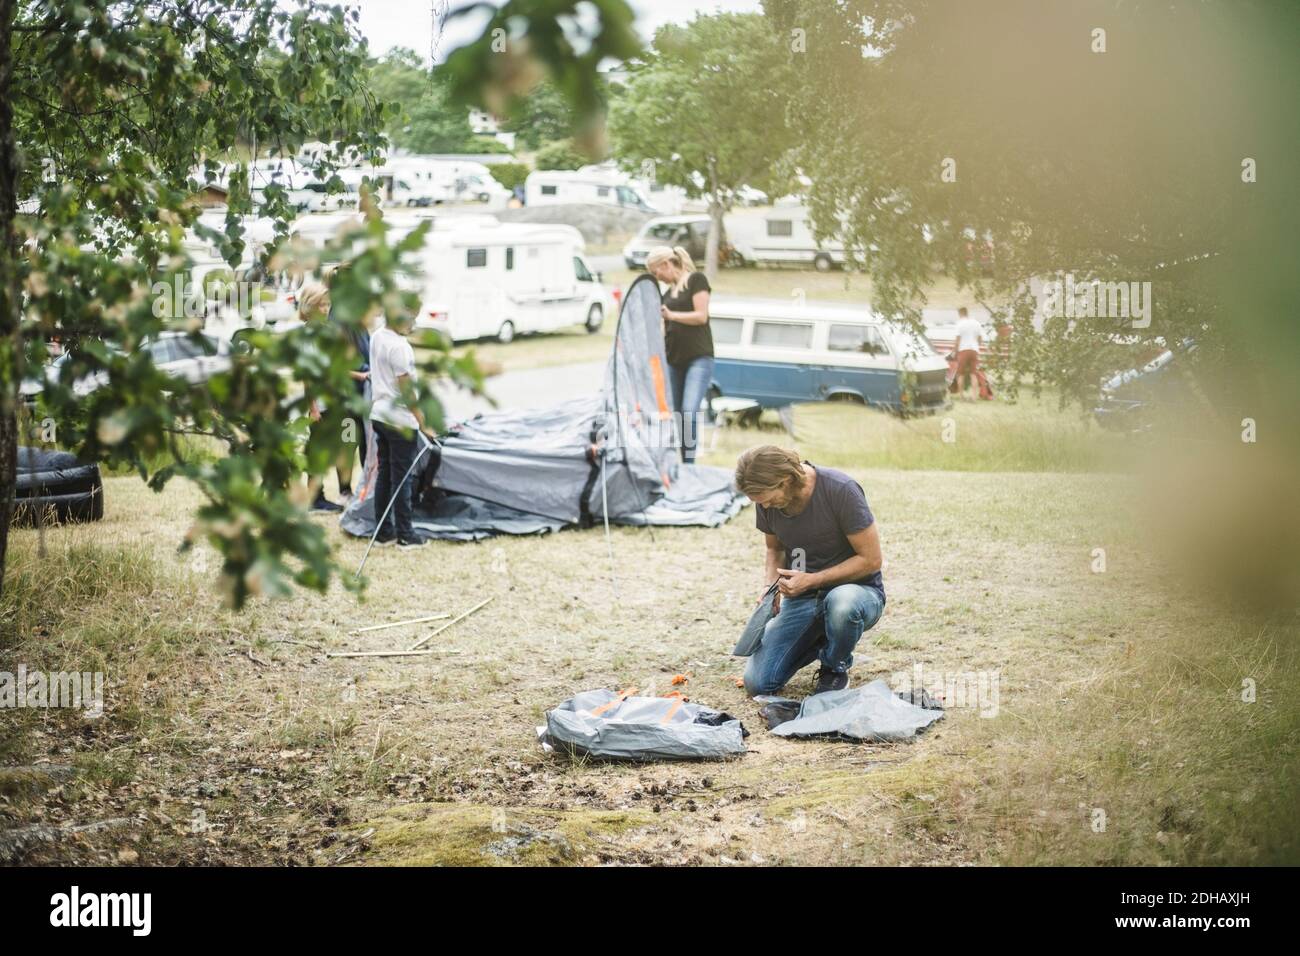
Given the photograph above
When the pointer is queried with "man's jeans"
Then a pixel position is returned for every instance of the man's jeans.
(690, 384)
(396, 450)
(818, 625)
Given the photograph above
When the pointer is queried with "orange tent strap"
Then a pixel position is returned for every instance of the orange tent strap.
(661, 391)
(677, 702)
(622, 696)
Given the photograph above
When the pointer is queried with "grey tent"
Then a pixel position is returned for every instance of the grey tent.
(611, 455)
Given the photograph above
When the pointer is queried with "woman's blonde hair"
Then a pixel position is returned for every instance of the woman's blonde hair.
(766, 468)
(313, 298)
(678, 256)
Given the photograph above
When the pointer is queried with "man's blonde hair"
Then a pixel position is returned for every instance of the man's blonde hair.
(767, 468)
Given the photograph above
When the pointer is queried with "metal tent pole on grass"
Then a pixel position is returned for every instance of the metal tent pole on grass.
(609, 541)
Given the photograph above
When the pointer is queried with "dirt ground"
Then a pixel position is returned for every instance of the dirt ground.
(257, 747)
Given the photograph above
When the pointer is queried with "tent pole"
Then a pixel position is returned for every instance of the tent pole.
(609, 541)
(618, 414)
(396, 491)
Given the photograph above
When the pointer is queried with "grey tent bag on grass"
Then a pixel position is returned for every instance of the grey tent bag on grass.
(871, 712)
(609, 726)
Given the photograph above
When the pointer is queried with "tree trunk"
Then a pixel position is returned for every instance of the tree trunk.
(715, 230)
(10, 341)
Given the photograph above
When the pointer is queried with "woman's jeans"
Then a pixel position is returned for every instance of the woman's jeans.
(396, 449)
(690, 385)
(818, 625)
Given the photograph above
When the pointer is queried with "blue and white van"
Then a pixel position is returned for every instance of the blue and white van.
(777, 353)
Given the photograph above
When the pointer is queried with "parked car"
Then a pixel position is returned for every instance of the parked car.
(1127, 397)
(189, 359)
(690, 232)
(777, 353)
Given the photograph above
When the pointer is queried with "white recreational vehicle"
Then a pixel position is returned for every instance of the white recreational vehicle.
(504, 279)
(545, 187)
(431, 180)
(479, 277)
(785, 236)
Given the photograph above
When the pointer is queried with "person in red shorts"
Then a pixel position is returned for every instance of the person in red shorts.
(969, 336)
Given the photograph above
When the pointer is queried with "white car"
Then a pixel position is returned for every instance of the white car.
(174, 353)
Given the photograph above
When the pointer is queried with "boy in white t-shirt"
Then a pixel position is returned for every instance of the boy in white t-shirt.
(392, 364)
(969, 336)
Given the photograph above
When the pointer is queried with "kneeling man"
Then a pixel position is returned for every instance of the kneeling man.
(824, 549)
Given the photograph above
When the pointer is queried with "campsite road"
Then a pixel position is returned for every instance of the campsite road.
(526, 388)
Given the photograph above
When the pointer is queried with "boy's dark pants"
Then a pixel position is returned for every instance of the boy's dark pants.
(396, 449)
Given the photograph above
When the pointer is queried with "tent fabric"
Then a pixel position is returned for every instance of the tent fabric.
(55, 485)
(752, 635)
(871, 712)
(531, 471)
(696, 495)
(609, 726)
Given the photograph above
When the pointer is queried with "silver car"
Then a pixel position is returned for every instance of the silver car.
(176, 354)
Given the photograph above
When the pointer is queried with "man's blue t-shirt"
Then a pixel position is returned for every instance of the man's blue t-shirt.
(837, 509)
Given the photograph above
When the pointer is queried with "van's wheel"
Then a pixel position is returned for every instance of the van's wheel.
(822, 262)
(736, 261)
(846, 398)
(595, 318)
(750, 417)
(506, 334)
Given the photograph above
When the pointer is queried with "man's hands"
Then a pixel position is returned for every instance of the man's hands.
(794, 583)
(789, 584)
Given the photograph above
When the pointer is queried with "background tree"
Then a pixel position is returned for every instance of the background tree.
(510, 175)
(107, 107)
(546, 116)
(707, 109)
(562, 154)
(423, 121)
(1004, 142)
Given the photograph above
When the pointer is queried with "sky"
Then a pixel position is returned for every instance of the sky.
(390, 23)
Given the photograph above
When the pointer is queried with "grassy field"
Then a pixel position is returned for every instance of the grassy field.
(1118, 734)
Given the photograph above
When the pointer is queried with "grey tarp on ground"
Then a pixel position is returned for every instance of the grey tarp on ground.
(597, 723)
(536, 470)
(871, 712)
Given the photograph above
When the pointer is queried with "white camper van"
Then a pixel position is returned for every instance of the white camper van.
(546, 187)
(479, 277)
(431, 180)
(505, 279)
(785, 236)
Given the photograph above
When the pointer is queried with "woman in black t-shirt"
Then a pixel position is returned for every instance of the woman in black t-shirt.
(687, 339)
